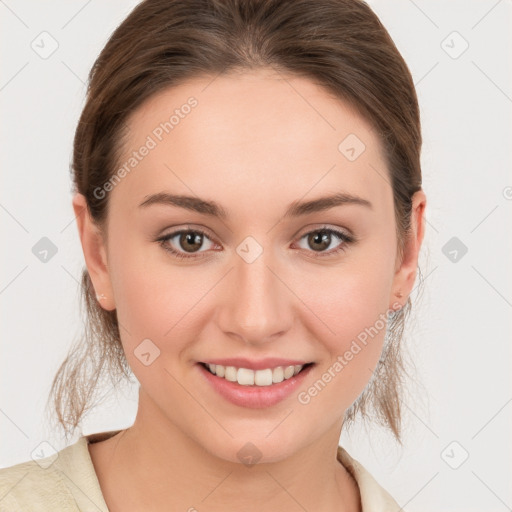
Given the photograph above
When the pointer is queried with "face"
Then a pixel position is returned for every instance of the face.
(269, 278)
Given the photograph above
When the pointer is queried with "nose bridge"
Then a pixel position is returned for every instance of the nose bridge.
(256, 306)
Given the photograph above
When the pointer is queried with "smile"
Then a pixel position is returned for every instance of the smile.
(254, 388)
(248, 377)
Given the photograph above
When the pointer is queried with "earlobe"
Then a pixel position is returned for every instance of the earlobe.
(405, 276)
(95, 253)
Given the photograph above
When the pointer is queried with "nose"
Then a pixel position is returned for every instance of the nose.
(256, 305)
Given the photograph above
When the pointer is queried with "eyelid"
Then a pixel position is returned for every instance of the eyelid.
(304, 231)
(326, 227)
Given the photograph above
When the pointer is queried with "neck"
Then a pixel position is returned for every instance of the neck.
(154, 464)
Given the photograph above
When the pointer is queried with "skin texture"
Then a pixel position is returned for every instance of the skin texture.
(255, 143)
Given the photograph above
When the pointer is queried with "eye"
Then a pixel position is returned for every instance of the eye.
(188, 240)
(321, 239)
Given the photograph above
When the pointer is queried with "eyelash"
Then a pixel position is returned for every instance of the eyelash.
(346, 239)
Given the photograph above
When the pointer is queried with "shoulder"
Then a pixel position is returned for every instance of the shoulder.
(373, 495)
(64, 481)
(28, 484)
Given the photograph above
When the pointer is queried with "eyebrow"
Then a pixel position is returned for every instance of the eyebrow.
(295, 209)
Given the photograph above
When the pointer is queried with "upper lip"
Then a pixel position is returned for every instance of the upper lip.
(260, 364)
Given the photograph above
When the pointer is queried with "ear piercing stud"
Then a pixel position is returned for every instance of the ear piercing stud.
(100, 297)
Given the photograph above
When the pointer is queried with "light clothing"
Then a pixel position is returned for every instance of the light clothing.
(70, 484)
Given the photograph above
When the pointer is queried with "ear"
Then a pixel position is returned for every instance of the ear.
(405, 275)
(95, 253)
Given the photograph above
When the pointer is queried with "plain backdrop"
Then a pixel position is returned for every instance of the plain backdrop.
(457, 446)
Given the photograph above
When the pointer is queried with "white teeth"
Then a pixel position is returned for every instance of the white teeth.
(230, 373)
(245, 377)
(278, 375)
(288, 372)
(263, 377)
(248, 377)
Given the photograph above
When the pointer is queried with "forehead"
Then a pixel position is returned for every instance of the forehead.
(250, 140)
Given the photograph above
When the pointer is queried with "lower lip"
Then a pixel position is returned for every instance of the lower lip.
(255, 397)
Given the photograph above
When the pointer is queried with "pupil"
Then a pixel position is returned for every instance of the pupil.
(322, 238)
(192, 238)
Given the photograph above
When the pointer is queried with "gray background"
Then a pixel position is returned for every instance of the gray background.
(460, 337)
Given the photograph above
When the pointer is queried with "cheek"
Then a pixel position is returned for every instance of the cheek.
(147, 293)
(157, 300)
(348, 299)
(350, 305)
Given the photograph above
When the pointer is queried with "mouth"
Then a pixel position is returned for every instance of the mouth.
(249, 377)
(256, 378)
(256, 389)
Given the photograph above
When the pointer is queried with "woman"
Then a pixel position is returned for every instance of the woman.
(248, 198)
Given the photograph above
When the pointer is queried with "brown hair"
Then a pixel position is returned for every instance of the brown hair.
(339, 44)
